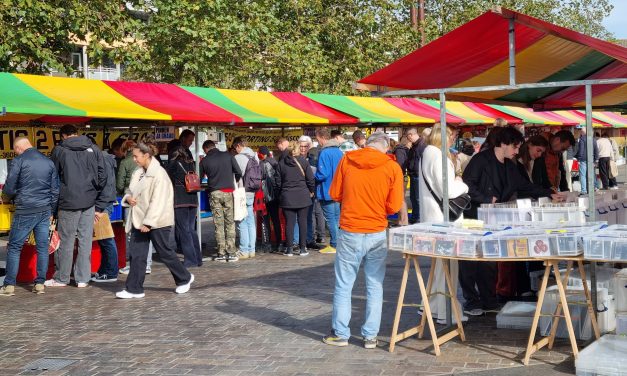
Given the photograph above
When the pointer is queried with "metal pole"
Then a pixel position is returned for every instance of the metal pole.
(445, 205)
(197, 165)
(591, 178)
(85, 63)
(512, 52)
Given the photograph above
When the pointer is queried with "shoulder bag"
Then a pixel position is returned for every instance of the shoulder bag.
(456, 205)
(192, 181)
(311, 194)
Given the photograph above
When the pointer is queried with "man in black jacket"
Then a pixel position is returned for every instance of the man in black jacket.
(492, 176)
(34, 184)
(108, 270)
(82, 175)
(222, 170)
(413, 169)
(582, 158)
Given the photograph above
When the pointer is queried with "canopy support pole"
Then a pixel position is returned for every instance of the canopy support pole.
(197, 166)
(591, 179)
(445, 204)
(512, 52)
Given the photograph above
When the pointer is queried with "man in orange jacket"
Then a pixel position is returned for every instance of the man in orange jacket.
(369, 187)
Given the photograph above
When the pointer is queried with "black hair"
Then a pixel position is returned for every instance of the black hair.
(335, 133)
(208, 145)
(117, 144)
(68, 130)
(508, 136)
(565, 135)
(186, 133)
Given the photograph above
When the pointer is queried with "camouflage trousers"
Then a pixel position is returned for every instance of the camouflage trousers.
(222, 210)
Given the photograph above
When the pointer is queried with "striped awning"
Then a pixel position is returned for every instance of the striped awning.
(543, 53)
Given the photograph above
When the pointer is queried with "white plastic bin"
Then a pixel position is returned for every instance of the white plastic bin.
(605, 244)
(620, 291)
(517, 243)
(605, 356)
(516, 315)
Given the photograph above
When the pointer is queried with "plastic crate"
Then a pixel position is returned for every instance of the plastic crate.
(517, 243)
(503, 214)
(6, 215)
(620, 291)
(605, 356)
(116, 214)
(582, 325)
(621, 324)
(605, 244)
(604, 276)
(516, 315)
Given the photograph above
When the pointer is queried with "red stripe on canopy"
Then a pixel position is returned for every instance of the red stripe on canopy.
(488, 34)
(421, 109)
(301, 102)
(492, 112)
(172, 100)
(576, 94)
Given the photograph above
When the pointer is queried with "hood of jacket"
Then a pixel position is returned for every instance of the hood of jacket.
(290, 160)
(249, 152)
(78, 143)
(367, 158)
(331, 143)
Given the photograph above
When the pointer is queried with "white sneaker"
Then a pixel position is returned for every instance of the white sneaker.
(127, 295)
(182, 289)
(81, 285)
(54, 283)
(125, 270)
(148, 269)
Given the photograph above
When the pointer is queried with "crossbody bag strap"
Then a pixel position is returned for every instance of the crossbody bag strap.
(299, 167)
(429, 186)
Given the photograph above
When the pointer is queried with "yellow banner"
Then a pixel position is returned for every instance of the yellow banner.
(261, 137)
(43, 139)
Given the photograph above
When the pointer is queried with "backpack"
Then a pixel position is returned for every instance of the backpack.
(252, 175)
(267, 184)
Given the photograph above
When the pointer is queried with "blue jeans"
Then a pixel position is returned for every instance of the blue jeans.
(414, 197)
(21, 226)
(248, 229)
(353, 248)
(109, 254)
(583, 178)
(331, 211)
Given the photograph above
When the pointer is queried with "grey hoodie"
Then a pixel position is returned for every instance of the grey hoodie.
(242, 160)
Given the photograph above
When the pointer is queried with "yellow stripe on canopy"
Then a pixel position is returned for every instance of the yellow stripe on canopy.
(464, 112)
(92, 96)
(386, 109)
(579, 120)
(266, 104)
(529, 116)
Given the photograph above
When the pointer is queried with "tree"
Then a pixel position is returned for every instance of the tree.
(585, 16)
(38, 36)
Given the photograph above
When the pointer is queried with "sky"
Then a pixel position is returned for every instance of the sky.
(616, 23)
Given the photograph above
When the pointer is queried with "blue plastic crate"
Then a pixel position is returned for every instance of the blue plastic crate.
(116, 215)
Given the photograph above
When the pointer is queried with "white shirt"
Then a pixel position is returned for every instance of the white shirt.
(605, 148)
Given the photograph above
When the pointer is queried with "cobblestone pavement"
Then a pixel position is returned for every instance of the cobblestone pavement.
(263, 316)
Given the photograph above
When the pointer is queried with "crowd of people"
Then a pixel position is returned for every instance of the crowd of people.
(345, 187)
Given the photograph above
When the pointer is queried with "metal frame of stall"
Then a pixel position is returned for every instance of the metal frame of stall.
(511, 86)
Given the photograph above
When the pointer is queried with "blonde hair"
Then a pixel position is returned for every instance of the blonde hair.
(435, 138)
(500, 122)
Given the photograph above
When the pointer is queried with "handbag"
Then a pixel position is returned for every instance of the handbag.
(613, 169)
(456, 206)
(311, 194)
(239, 203)
(192, 180)
(53, 238)
(103, 229)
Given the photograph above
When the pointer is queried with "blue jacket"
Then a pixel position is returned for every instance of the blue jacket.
(328, 160)
(33, 182)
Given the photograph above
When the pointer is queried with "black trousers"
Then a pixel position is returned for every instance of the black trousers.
(604, 171)
(483, 276)
(163, 241)
(273, 213)
(186, 235)
(290, 220)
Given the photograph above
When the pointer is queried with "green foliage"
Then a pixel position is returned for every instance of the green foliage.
(35, 35)
(290, 45)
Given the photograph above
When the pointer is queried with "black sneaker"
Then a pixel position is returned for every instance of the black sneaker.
(103, 278)
(288, 252)
(334, 340)
(303, 252)
(220, 258)
(313, 246)
(370, 343)
(232, 258)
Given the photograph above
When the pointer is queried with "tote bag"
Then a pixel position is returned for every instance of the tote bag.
(239, 202)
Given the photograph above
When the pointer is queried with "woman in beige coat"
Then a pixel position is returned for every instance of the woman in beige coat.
(151, 200)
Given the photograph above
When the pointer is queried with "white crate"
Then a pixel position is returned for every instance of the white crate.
(494, 214)
(621, 324)
(516, 315)
(604, 276)
(606, 244)
(582, 325)
(557, 213)
(605, 356)
(620, 291)
(518, 243)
